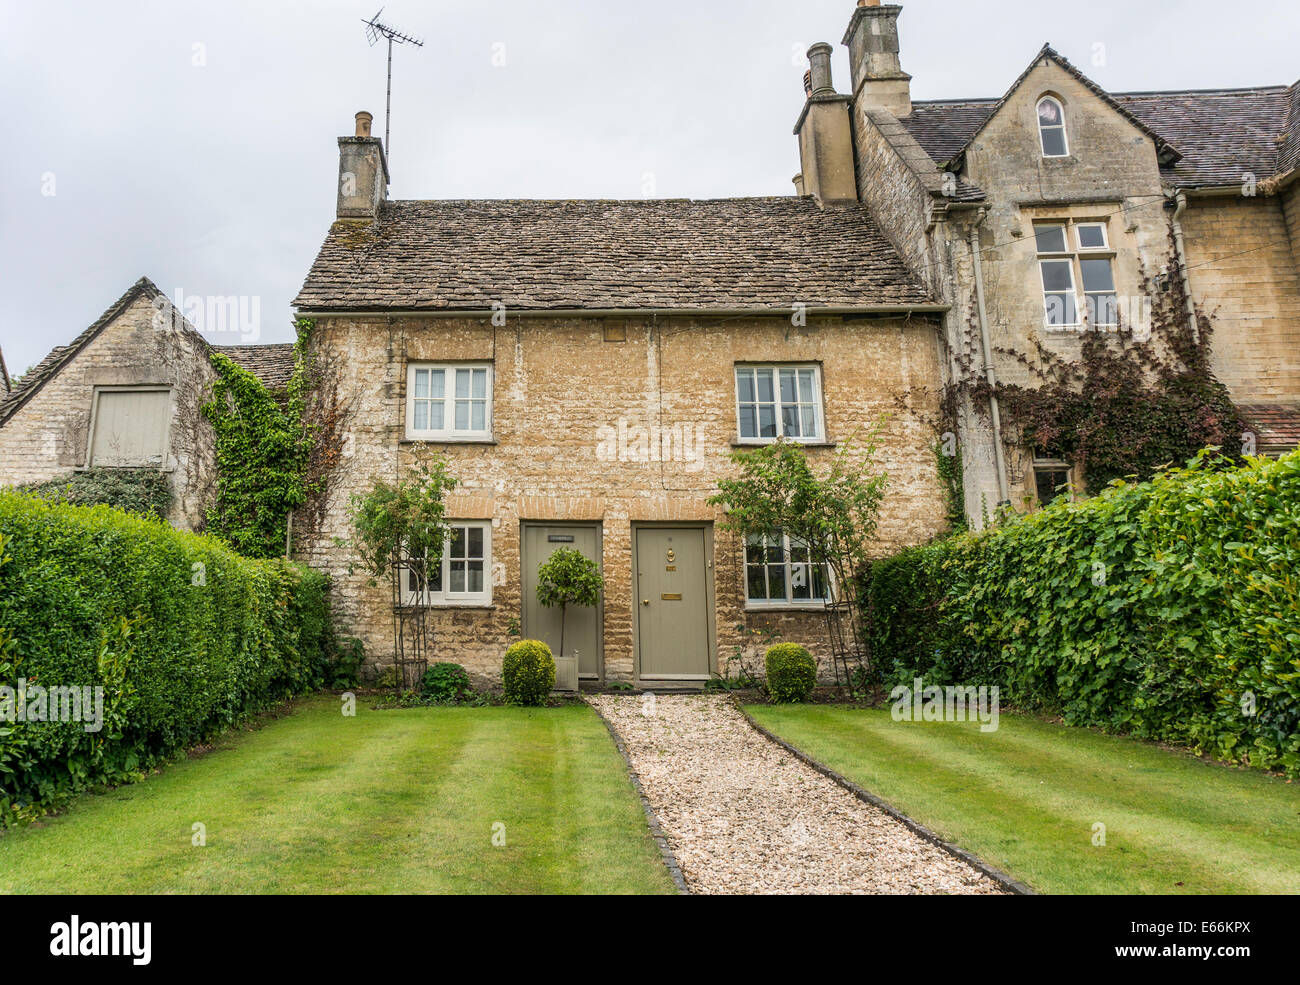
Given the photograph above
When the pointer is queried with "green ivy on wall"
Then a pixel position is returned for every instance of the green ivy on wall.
(263, 447)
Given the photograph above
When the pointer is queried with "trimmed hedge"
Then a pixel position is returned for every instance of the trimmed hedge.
(791, 672)
(144, 491)
(1168, 609)
(186, 637)
(528, 672)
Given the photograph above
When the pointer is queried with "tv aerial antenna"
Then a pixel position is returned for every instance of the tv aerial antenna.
(374, 31)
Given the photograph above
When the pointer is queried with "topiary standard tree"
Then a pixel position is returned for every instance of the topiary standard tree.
(568, 577)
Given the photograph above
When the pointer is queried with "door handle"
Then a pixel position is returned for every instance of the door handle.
(645, 601)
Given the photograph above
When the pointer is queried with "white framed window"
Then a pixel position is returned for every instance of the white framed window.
(1062, 269)
(779, 570)
(778, 401)
(1051, 128)
(130, 427)
(449, 401)
(463, 577)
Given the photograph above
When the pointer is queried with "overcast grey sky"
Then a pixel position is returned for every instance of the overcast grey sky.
(194, 142)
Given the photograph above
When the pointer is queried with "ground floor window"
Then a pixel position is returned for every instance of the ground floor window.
(464, 574)
(779, 570)
(1052, 478)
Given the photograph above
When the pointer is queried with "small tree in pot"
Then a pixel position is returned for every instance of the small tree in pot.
(568, 577)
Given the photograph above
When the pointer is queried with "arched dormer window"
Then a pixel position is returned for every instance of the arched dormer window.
(1051, 128)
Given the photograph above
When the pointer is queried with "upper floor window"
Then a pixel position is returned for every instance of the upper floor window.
(1074, 253)
(1052, 478)
(779, 402)
(130, 426)
(1051, 128)
(779, 570)
(464, 574)
(449, 402)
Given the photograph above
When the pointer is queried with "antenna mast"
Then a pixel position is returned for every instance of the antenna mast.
(375, 31)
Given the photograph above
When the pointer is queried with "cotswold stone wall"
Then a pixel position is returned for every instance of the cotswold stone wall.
(1243, 272)
(570, 412)
(49, 435)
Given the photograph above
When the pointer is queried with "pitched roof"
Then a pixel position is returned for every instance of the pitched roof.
(31, 382)
(759, 253)
(1222, 134)
(4, 375)
(1278, 425)
(272, 363)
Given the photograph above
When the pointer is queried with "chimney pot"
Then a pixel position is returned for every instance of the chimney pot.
(819, 61)
(364, 120)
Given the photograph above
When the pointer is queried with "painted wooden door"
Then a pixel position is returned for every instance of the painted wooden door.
(672, 603)
(582, 630)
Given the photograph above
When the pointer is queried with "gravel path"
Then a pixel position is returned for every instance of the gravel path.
(744, 816)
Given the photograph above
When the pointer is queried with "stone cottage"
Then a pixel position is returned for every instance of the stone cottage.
(125, 394)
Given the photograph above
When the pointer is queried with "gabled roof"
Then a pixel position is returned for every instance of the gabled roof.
(44, 371)
(4, 376)
(1222, 134)
(744, 253)
(1164, 150)
(272, 363)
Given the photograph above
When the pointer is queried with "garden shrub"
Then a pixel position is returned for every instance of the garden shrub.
(185, 636)
(791, 672)
(528, 672)
(1168, 609)
(445, 682)
(143, 491)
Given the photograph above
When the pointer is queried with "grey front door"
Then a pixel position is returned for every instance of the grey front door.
(581, 625)
(673, 605)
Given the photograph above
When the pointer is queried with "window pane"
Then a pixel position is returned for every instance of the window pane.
(436, 412)
(800, 587)
(475, 576)
(766, 421)
(1062, 309)
(805, 385)
(790, 420)
(478, 416)
(1054, 142)
(753, 550)
(1049, 113)
(456, 542)
(462, 415)
(756, 584)
(474, 542)
(1047, 482)
(458, 576)
(421, 383)
(775, 550)
(776, 582)
(1092, 236)
(479, 389)
(437, 383)
(1050, 239)
(788, 383)
(798, 551)
(748, 421)
(435, 578)
(462, 382)
(808, 412)
(764, 381)
(821, 582)
(1103, 309)
(745, 385)
(1097, 275)
(421, 421)
(1057, 275)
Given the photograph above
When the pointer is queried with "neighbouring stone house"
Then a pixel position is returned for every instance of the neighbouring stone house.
(126, 394)
(1034, 214)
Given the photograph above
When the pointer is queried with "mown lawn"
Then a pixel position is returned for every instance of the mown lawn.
(386, 802)
(1025, 799)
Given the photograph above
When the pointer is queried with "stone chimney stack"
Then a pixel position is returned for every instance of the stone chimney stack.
(363, 173)
(825, 135)
(878, 77)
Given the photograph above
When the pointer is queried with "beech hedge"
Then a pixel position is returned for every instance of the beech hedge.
(185, 637)
(1167, 609)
